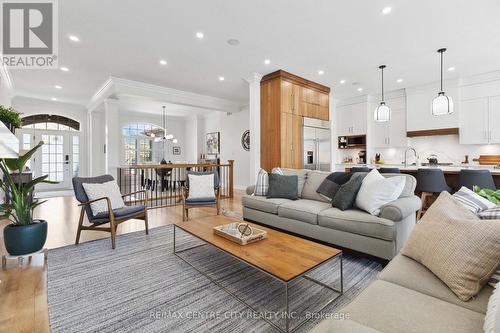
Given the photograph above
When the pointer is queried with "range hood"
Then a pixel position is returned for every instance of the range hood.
(9, 144)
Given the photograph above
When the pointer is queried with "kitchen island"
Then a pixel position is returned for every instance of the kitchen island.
(451, 172)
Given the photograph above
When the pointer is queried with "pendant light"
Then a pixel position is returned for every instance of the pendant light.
(442, 104)
(382, 112)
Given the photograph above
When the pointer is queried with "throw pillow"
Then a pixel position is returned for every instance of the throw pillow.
(492, 318)
(283, 187)
(201, 187)
(262, 183)
(495, 278)
(332, 183)
(490, 214)
(314, 179)
(109, 189)
(376, 192)
(459, 248)
(346, 195)
(472, 201)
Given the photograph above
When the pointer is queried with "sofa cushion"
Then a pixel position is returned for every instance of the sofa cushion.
(408, 273)
(462, 250)
(262, 203)
(313, 181)
(357, 222)
(390, 308)
(300, 173)
(303, 210)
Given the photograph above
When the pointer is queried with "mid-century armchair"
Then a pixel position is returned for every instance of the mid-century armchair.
(188, 203)
(113, 216)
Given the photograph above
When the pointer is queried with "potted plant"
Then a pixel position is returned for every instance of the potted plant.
(10, 117)
(24, 235)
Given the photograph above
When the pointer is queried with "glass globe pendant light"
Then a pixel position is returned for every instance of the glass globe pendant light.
(442, 104)
(382, 112)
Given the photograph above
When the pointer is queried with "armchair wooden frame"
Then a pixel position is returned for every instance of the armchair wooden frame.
(113, 221)
(186, 206)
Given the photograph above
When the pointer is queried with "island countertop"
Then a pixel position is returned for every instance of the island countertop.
(447, 169)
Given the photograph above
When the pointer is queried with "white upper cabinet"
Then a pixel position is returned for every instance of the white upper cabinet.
(390, 134)
(480, 113)
(419, 114)
(351, 119)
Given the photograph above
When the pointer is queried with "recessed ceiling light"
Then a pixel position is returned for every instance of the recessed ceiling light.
(342, 81)
(386, 10)
(451, 69)
(200, 35)
(73, 38)
(65, 69)
(321, 72)
(54, 99)
(233, 42)
(360, 89)
(399, 80)
(163, 62)
(58, 86)
(267, 61)
(221, 78)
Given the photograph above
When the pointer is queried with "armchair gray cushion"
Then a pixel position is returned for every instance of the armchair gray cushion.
(124, 212)
(201, 201)
(401, 208)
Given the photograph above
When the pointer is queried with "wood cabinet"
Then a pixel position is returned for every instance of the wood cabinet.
(285, 100)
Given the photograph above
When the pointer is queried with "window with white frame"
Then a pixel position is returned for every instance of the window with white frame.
(141, 144)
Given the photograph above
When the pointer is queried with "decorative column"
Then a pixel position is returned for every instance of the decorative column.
(254, 123)
(112, 135)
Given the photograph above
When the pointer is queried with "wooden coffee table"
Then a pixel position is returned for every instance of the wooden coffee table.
(284, 257)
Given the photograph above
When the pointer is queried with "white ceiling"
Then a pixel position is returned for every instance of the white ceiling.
(142, 105)
(346, 39)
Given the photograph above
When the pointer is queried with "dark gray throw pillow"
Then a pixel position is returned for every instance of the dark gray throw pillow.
(332, 183)
(283, 186)
(346, 195)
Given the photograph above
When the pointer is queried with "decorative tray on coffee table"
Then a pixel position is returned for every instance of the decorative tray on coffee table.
(241, 233)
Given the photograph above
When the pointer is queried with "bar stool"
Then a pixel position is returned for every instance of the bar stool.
(389, 170)
(360, 169)
(471, 178)
(429, 182)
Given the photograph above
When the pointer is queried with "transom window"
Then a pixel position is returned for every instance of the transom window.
(141, 143)
(50, 122)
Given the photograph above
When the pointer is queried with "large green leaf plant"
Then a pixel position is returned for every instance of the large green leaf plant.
(491, 195)
(19, 208)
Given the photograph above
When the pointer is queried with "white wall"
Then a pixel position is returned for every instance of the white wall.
(231, 128)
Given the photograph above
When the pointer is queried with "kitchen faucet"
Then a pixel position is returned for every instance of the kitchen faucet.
(406, 158)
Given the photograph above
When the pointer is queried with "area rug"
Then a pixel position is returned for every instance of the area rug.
(143, 287)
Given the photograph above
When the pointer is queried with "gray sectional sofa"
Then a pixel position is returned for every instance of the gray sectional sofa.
(407, 297)
(313, 216)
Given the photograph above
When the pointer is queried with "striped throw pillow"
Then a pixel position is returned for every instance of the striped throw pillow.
(495, 278)
(262, 184)
(472, 201)
(490, 214)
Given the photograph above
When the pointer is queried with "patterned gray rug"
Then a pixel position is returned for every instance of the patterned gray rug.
(143, 287)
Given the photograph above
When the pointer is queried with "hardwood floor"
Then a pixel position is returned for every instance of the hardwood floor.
(23, 289)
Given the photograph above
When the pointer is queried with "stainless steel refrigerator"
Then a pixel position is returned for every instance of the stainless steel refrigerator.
(317, 144)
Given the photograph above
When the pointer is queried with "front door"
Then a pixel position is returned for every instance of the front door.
(58, 158)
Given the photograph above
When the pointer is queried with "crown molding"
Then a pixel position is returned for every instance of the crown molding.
(115, 87)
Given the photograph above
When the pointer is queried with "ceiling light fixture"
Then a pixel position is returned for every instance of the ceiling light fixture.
(382, 112)
(451, 69)
(386, 10)
(64, 69)
(399, 80)
(163, 62)
(200, 35)
(321, 72)
(221, 78)
(442, 104)
(267, 61)
(54, 99)
(73, 38)
(342, 81)
(360, 89)
(58, 86)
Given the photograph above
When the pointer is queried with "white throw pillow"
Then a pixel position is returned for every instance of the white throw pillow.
(492, 318)
(472, 201)
(201, 186)
(376, 191)
(109, 189)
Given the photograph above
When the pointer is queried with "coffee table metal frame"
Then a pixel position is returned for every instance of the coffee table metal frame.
(284, 282)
